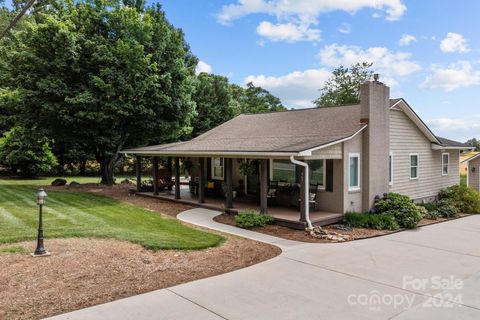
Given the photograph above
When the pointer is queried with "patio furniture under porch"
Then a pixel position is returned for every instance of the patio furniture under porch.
(285, 216)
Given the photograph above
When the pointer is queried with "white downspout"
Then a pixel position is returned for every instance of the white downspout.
(307, 188)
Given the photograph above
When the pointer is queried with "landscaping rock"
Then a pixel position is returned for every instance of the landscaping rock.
(319, 233)
(74, 184)
(59, 182)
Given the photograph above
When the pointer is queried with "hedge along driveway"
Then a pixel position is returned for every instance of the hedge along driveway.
(81, 214)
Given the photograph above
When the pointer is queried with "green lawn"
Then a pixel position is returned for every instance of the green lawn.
(69, 214)
(463, 179)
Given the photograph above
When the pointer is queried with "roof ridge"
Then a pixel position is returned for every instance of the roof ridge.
(299, 109)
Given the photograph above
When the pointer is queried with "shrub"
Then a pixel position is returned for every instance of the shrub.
(464, 198)
(401, 207)
(370, 221)
(248, 219)
(447, 209)
(423, 211)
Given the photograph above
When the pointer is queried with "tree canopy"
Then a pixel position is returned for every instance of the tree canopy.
(106, 74)
(97, 76)
(256, 99)
(214, 102)
(26, 152)
(474, 142)
(343, 87)
(218, 101)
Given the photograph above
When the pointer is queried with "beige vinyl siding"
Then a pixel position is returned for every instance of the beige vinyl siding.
(332, 152)
(473, 177)
(333, 201)
(406, 139)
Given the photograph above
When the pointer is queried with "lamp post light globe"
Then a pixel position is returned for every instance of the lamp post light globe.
(40, 250)
(41, 195)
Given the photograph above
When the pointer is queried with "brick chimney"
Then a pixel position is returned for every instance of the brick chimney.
(375, 106)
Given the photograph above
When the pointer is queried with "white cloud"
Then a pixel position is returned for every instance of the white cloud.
(406, 39)
(288, 32)
(307, 10)
(454, 42)
(296, 89)
(295, 19)
(459, 129)
(454, 76)
(448, 124)
(345, 28)
(202, 66)
(390, 65)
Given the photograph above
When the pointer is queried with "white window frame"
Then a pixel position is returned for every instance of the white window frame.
(448, 164)
(350, 156)
(213, 168)
(390, 169)
(410, 165)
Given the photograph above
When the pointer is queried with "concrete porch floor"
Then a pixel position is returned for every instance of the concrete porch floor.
(286, 216)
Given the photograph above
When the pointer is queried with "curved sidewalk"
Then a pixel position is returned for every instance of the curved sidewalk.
(326, 281)
(204, 218)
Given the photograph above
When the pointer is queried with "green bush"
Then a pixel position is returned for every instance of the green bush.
(423, 211)
(248, 219)
(401, 207)
(370, 221)
(444, 208)
(447, 208)
(464, 198)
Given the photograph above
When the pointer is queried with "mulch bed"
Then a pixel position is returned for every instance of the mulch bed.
(83, 272)
(301, 235)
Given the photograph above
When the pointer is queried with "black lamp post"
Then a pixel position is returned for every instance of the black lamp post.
(40, 251)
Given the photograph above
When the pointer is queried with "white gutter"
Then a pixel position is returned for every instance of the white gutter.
(308, 152)
(307, 188)
(225, 154)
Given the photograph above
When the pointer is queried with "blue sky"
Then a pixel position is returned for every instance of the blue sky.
(290, 47)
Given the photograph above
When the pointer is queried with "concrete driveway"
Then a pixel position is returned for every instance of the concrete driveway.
(429, 273)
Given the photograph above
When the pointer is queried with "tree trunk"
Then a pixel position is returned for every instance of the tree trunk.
(107, 165)
(83, 167)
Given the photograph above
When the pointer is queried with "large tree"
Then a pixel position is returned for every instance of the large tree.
(214, 103)
(106, 74)
(26, 152)
(343, 87)
(218, 101)
(255, 99)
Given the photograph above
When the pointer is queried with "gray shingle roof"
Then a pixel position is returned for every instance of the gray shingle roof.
(290, 131)
(286, 131)
(444, 142)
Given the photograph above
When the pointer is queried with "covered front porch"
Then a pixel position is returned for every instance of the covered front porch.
(285, 216)
(231, 185)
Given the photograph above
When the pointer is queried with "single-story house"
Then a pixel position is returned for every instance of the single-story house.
(314, 164)
(473, 166)
(463, 161)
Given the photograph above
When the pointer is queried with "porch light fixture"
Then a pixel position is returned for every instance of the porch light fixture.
(40, 250)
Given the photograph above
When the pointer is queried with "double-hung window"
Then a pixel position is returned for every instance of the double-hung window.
(414, 166)
(445, 163)
(217, 168)
(353, 171)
